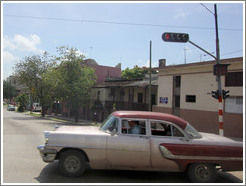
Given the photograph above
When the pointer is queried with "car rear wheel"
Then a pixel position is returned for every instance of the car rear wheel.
(202, 173)
(72, 163)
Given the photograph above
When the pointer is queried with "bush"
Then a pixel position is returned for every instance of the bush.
(20, 109)
(23, 100)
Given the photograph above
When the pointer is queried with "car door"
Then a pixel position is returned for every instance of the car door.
(129, 150)
(169, 135)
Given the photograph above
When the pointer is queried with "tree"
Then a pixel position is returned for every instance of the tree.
(9, 90)
(23, 101)
(51, 79)
(75, 79)
(135, 73)
(31, 72)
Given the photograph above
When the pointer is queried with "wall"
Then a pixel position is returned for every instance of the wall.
(165, 84)
(198, 79)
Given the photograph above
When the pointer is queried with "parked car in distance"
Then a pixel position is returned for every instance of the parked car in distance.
(36, 107)
(163, 142)
(11, 108)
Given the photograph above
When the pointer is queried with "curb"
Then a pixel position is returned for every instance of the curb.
(63, 120)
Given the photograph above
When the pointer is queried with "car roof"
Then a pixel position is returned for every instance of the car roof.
(152, 115)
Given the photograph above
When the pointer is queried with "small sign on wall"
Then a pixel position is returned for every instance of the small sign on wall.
(164, 100)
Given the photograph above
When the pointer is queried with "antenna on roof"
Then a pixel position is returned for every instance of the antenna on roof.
(185, 48)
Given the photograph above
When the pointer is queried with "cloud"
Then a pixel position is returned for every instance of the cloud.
(153, 63)
(180, 14)
(81, 53)
(22, 43)
(8, 62)
(16, 47)
(9, 58)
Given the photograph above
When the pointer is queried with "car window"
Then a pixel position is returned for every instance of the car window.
(133, 127)
(165, 129)
(110, 124)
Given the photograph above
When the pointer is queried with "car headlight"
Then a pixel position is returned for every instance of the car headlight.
(46, 136)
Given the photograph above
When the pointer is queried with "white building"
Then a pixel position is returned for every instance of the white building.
(185, 90)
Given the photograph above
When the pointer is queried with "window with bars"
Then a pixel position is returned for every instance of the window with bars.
(234, 79)
(191, 98)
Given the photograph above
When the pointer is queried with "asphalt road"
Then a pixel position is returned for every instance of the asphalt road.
(22, 163)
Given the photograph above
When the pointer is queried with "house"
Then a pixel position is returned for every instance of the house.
(20, 88)
(102, 73)
(111, 92)
(123, 94)
(185, 90)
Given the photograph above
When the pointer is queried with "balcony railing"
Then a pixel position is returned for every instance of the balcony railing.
(126, 106)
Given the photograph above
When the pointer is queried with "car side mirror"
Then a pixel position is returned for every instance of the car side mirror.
(113, 132)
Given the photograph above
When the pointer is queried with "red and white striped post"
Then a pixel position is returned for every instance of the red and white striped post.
(221, 129)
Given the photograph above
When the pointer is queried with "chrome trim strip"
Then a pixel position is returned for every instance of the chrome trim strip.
(87, 147)
(167, 154)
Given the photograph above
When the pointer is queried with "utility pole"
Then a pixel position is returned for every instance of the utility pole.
(150, 69)
(218, 77)
(218, 71)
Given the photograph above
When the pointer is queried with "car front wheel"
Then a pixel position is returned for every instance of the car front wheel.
(202, 173)
(72, 163)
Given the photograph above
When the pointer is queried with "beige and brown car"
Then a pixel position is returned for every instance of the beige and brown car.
(158, 142)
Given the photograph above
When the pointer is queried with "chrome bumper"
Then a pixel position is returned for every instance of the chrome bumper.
(48, 155)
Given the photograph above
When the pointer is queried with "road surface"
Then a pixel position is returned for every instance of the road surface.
(22, 163)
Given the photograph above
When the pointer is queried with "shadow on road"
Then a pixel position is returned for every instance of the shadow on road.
(50, 174)
(224, 177)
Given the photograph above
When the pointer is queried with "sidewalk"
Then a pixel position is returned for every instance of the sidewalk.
(65, 120)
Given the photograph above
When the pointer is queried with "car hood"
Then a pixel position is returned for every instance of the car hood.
(78, 130)
(77, 136)
(214, 139)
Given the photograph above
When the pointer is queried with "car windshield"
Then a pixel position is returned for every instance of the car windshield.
(110, 124)
(192, 132)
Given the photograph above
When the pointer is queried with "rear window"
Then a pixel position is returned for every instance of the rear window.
(165, 129)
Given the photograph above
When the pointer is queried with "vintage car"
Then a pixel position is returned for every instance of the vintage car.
(11, 108)
(164, 143)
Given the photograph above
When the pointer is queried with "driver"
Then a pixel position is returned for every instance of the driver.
(135, 129)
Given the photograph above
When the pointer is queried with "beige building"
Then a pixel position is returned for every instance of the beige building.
(185, 90)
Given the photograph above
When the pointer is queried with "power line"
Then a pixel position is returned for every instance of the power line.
(208, 57)
(207, 8)
(232, 52)
(118, 23)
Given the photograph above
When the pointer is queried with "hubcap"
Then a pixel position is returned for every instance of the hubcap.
(202, 172)
(72, 164)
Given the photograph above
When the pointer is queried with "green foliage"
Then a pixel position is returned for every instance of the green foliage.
(9, 90)
(23, 101)
(31, 72)
(75, 79)
(135, 73)
(65, 78)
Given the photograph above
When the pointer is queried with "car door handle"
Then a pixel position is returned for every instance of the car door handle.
(184, 139)
(144, 137)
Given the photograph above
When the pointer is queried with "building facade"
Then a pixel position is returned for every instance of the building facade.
(122, 94)
(185, 90)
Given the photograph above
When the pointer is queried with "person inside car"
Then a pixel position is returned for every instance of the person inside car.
(135, 129)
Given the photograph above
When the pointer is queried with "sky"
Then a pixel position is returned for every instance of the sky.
(120, 32)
